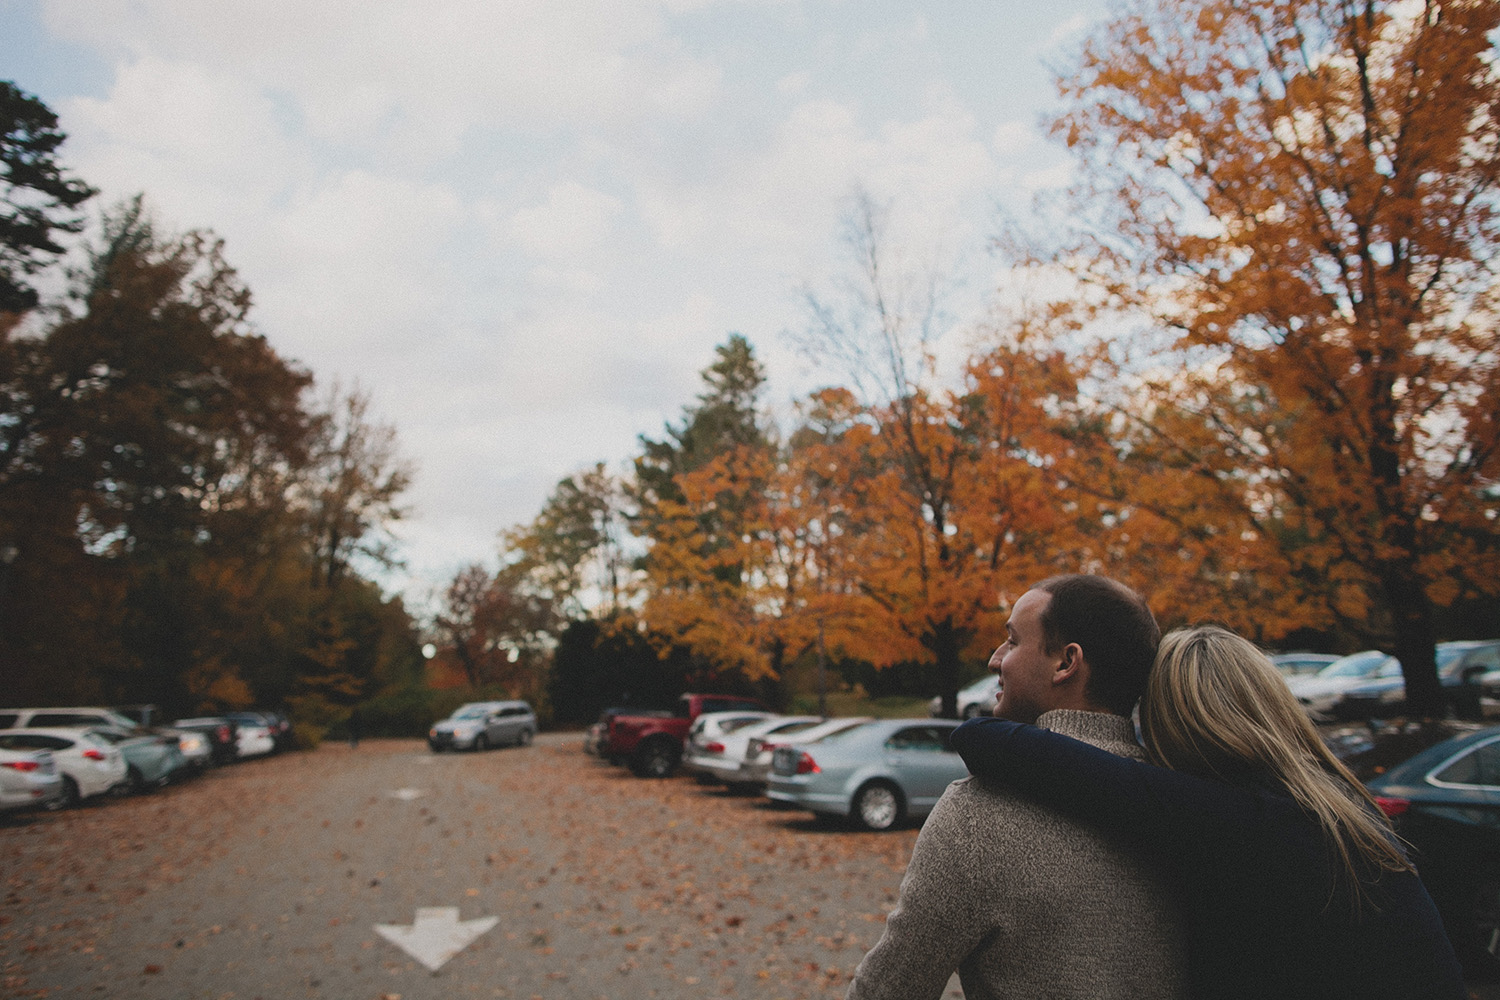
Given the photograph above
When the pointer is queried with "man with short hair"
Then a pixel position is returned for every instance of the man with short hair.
(1021, 900)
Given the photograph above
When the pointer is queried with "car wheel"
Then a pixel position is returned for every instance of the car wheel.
(69, 798)
(524, 738)
(481, 742)
(657, 759)
(876, 806)
(134, 784)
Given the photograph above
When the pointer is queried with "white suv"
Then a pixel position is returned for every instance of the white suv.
(975, 700)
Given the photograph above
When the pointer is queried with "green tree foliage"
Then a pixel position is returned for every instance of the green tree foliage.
(165, 497)
(36, 196)
(726, 418)
(574, 550)
(352, 486)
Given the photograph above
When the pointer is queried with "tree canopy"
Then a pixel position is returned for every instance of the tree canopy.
(37, 197)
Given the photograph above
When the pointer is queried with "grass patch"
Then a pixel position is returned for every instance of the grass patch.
(846, 703)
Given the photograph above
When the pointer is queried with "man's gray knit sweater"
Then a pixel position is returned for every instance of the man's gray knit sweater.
(1026, 903)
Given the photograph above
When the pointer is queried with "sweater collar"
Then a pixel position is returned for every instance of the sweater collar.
(1105, 730)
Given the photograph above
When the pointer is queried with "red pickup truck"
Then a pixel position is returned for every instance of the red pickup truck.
(651, 743)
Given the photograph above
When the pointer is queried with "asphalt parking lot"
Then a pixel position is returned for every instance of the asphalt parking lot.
(390, 873)
(269, 878)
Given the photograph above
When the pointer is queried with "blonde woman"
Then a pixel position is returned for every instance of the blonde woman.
(1292, 883)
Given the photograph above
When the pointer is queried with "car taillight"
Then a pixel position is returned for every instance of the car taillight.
(806, 765)
(715, 747)
(22, 765)
(94, 754)
(1392, 807)
(223, 734)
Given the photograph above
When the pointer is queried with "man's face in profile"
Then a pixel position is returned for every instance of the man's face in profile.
(1025, 667)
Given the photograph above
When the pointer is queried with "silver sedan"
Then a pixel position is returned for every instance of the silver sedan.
(878, 774)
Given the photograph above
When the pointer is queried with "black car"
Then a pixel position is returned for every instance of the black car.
(1445, 802)
(222, 734)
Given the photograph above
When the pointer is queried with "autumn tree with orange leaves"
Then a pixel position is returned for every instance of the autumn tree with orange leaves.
(955, 498)
(1304, 195)
(699, 494)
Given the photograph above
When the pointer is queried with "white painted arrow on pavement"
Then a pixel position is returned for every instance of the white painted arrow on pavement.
(436, 935)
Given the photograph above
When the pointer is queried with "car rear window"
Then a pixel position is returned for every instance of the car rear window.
(33, 741)
(41, 719)
(8, 719)
(919, 738)
(1480, 766)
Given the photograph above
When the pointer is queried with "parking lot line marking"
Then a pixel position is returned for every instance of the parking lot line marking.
(436, 934)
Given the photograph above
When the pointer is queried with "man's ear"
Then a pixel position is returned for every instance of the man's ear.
(1071, 667)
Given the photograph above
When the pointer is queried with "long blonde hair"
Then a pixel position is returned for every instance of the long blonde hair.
(1216, 707)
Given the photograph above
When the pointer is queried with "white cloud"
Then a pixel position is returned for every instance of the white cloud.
(574, 218)
(203, 144)
(523, 225)
(393, 76)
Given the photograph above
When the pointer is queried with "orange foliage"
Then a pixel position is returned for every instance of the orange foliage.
(1304, 192)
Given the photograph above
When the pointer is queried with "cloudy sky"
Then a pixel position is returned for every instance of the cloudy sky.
(524, 225)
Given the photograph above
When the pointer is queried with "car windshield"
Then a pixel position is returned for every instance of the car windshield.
(472, 712)
(1355, 665)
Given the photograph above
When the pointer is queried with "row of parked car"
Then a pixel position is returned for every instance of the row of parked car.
(1369, 684)
(875, 773)
(54, 758)
(1364, 685)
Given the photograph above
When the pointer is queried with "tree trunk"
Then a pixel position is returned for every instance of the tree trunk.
(945, 642)
(1416, 638)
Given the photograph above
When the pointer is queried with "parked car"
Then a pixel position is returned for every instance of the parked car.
(222, 735)
(1320, 692)
(90, 766)
(197, 748)
(596, 740)
(877, 774)
(1291, 665)
(1461, 667)
(723, 757)
(277, 729)
(1445, 802)
(755, 769)
(133, 719)
(44, 718)
(480, 725)
(150, 760)
(252, 737)
(29, 779)
(652, 743)
(710, 729)
(975, 700)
